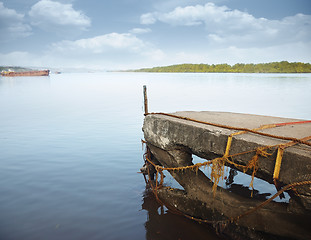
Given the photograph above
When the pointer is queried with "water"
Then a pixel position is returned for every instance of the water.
(70, 147)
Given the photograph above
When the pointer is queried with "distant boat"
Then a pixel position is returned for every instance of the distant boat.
(27, 73)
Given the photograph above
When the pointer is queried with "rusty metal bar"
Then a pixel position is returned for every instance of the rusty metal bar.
(145, 100)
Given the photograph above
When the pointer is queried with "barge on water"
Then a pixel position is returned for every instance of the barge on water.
(25, 73)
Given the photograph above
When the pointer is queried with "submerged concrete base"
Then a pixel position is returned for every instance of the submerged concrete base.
(173, 141)
(266, 224)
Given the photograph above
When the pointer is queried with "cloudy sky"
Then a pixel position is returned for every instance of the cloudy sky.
(127, 34)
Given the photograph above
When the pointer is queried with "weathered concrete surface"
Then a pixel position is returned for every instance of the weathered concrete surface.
(208, 142)
(172, 142)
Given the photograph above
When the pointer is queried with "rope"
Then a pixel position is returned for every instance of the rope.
(279, 156)
(286, 188)
(218, 164)
(231, 220)
(280, 152)
(217, 169)
(239, 128)
(229, 141)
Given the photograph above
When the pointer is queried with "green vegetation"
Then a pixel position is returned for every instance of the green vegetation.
(13, 68)
(273, 67)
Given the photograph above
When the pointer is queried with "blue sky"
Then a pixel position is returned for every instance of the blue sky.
(127, 34)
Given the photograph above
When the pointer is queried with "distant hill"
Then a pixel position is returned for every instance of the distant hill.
(273, 67)
(14, 68)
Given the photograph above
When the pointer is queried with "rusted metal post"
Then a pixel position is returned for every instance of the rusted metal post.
(145, 100)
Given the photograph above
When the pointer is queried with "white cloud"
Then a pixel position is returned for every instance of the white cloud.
(87, 58)
(167, 5)
(12, 24)
(50, 15)
(18, 58)
(292, 52)
(109, 49)
(140, 30)
(148, 18)
(226, 26)
(102, 43)
(187, 16)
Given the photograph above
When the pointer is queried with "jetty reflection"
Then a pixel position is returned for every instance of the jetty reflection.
(161, 224)
(243, 190)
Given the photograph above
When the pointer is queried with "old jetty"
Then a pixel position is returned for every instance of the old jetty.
(276, 150)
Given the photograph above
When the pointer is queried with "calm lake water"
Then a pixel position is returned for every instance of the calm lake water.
(71, 147)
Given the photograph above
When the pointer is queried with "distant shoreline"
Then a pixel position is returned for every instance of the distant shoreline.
(273, 67)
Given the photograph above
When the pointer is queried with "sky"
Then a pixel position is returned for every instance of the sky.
(132, 34)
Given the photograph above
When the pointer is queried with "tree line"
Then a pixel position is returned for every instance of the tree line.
(14, 68)
(273, 67)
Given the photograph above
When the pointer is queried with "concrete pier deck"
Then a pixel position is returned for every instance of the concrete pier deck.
(172, 141)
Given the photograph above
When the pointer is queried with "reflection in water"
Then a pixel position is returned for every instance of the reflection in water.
(64, 173)
(162, 224)
(232, 174)
(239, 183)
(24, 81)
(242, 190)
